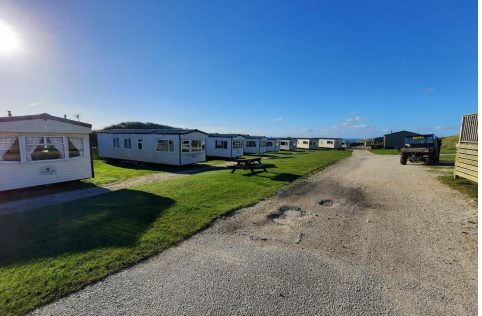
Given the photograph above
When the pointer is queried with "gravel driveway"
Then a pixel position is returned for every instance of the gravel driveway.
(395, 241)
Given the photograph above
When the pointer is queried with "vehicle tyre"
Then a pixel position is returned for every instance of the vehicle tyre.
(403, 159)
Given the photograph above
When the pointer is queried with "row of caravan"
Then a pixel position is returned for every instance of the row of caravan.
(182, 147)
(44, 149)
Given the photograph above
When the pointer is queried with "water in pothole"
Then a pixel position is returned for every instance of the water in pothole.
(286, 212)
(326, 202)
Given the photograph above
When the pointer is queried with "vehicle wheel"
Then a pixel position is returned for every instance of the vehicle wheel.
(403, 159)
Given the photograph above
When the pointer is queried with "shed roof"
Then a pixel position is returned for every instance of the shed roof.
(42, 116)
(153, 131)
(404, 131)
(225, 135)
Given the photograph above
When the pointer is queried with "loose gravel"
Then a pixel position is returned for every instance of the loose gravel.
(396, 242)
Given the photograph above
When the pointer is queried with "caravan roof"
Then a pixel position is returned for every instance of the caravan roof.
(153, 131)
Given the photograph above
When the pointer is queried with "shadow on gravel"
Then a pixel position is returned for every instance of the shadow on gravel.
(115, 219)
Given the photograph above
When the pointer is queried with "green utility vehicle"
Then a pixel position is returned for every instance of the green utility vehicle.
(421, 148)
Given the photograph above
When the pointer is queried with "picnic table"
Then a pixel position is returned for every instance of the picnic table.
(249, 163)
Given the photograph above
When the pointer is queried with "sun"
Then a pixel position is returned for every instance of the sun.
(9, 41)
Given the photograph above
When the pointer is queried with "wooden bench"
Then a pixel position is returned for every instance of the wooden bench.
(250, 167)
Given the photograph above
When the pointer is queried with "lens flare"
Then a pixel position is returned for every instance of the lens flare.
(9, 41)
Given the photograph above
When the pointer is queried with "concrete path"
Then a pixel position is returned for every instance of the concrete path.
(62, 197)
(386, 240)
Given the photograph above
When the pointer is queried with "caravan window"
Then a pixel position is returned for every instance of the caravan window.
(44, 148)
(9, 149)
(250, 143)
(284, 143)
(76, 147)
(221, 144)
(195, 145)
(270, 144)
(115, 142)
(330, 142)
(165, 145)
(305, 142)
(237, 144)
(186, 146)
(139, 144)
(127, 143)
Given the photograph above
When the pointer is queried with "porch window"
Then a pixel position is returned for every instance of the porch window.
(186, 146)
(9, 149)
(262, 144)
(237, 144)
(195, 145)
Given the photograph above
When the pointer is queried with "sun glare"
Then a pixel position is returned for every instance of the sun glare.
(9, 41)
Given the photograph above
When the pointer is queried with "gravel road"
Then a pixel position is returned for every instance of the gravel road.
(395, 241)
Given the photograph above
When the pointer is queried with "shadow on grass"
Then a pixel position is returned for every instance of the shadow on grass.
(149, 166)
(282, 177)
(116, 219)
(281, 157)
(444, 164)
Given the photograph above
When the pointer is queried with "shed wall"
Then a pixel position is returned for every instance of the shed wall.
(397, 139)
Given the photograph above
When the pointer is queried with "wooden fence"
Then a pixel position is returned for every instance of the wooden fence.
(466, 161)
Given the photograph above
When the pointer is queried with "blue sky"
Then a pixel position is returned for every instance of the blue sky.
(352, 69)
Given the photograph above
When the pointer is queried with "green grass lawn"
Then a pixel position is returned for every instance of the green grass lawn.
(447, 158)
(449, 144)
(105, 173)
(50, 252)
(384, 151)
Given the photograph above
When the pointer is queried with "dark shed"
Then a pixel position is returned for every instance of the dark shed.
(397, 139)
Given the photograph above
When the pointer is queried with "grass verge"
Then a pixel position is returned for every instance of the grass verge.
(50, 252)
(471, 189)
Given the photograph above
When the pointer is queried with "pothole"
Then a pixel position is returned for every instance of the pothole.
(326, 202)
(286, 212)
